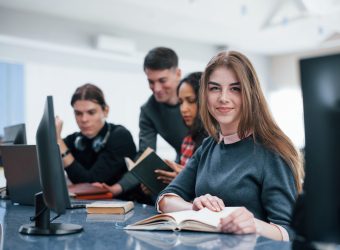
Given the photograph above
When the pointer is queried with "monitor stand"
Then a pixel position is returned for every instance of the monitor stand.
(42, 225)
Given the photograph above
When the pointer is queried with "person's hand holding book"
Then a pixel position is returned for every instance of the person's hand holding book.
(115, 189)
(167, 176)
(145, 189)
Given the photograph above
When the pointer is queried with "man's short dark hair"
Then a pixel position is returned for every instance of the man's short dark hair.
(161, 58)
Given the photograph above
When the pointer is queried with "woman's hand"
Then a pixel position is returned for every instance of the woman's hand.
(167, 176)
(241, 221)
(211, 202)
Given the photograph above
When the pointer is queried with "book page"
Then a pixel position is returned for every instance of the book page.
(156, 218)
(209, 217)
(145, 154)
(204, 215)
(182, 215)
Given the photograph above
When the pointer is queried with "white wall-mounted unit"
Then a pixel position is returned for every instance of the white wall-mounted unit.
(115, 44)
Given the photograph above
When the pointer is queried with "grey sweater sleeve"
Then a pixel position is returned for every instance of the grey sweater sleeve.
(147, 133)
(128, 182)
(278, 192)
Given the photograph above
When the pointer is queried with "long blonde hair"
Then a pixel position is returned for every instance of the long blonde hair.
(255, 114)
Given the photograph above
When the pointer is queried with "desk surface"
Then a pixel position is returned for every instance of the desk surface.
(105, 232)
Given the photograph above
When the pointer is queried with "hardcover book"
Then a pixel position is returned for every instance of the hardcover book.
(144, 170)
(86, 191)
(109, 207)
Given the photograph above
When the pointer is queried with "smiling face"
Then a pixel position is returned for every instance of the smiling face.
(163, 84)
(90, 117)
(224, 99)
(188, 103)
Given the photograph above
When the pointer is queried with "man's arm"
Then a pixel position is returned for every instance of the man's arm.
(147, 133)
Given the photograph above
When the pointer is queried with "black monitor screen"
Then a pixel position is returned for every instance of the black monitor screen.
(15, 134)
(320, 79)
(54, 195)
(50, 165)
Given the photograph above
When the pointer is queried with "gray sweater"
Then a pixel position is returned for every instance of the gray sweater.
(157, 118)
(163, 119)
(244, 173)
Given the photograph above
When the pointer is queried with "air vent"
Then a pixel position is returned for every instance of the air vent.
(115, 44)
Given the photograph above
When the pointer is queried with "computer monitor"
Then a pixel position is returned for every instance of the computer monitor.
(54, 195)
(15, 134)
(320, 81)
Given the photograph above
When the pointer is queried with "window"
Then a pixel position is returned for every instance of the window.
(11, 94)
(287, 108)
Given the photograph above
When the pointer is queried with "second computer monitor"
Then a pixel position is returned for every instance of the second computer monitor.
(320, 79)
(15, 134)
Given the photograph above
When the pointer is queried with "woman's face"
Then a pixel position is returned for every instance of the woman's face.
(90, 117)
(224, 99)
(188, 103)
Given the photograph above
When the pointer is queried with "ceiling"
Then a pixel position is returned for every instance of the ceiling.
(261, 26)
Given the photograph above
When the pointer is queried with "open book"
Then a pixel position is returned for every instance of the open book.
(203, 220)
(144, 170)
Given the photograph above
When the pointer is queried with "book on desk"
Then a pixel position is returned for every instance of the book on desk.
(86, 191)
(109, 207)
(203, 220)
(109, 217)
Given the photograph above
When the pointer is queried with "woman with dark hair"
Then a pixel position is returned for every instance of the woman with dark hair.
(187, 92)
(247, 161)
(95, 153)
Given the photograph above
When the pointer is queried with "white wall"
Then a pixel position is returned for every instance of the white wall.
(125, 92)
(60, 54)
